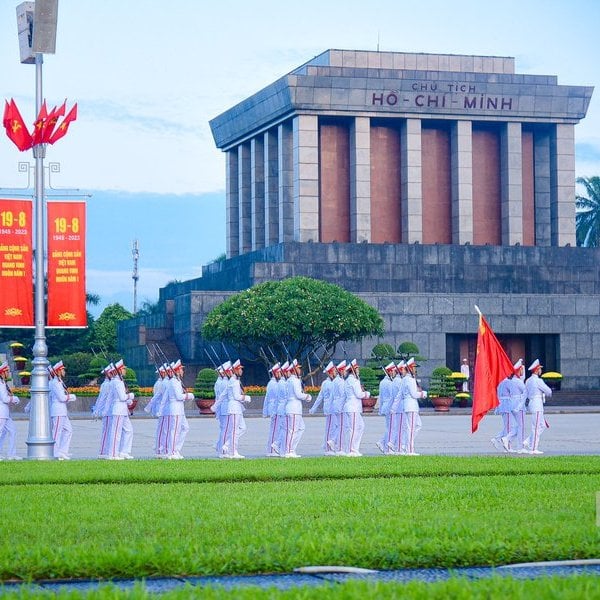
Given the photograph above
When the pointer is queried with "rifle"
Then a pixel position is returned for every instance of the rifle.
(210, 358)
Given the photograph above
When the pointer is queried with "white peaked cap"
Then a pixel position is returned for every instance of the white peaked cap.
(119, 363)
(294, 363)
(226, 365)
(390, 367)
(353, 363)
(236, 364)
(341, 366)
(177, 364)
(58, 365)
(534, 365)
(330, 366)
(285, 366)
(518, 364)
(410, 362)
(401, 365)
(276, 367)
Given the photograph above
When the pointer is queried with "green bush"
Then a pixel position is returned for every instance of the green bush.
(441, 384)
(130, 379)
(204, 386)
(370, 379)
(381, 354)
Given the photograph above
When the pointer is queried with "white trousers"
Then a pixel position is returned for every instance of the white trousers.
(354, 427)
(121, 436)
(516, 430)
(177, 431)
(105, 436)
(294, 431)
(62, 432)
(396, 440)
(538, 425)
(273, 430)
(235, 428)
(8, 431)
(280, 435)
(331, 424)
(412, 426)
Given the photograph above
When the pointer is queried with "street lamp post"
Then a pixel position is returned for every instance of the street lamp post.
(37, 35)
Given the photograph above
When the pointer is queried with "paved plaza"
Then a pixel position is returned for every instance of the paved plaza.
(572, 431)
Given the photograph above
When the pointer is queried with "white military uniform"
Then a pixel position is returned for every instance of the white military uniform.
(8, 430)
(62, 430)
(270, 412)
(537, 391)
(354, 425)
(121, 431)
(156, 407)
(220, 409)
(504, 409)
(412, 420)
(177, 421)
(278, 446)
(518, 396)
(336, 441)
(235, 426)
(293, 414)
(396, 443)
(325, 397)
(386, 398)
(102, 410)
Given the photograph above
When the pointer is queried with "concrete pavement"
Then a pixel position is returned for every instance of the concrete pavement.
(572, 432)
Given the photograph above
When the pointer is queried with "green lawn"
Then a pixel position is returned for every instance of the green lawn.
(96, 519)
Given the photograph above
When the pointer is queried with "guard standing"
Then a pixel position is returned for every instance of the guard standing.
(293, 409)
(354, 425)
(121, 434)
(270, 407)
(326, 398)
(176, 410)
(62, 430)
(236, 425)
(7, 426)
(386, 397)
(537, 391)
(411, 393)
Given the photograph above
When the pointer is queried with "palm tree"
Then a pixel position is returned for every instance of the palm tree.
(587, 213)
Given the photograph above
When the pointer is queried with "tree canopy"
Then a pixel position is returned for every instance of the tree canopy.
(299, 314)
(587, 219)
(103, 336)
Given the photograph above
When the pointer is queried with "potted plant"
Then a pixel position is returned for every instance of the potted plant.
(553, 379)
(20, 362)
(441, 389)
(370, 381)
(458, 378)
(462, 398)
(204, 390)
(16, 348)
(25, 377)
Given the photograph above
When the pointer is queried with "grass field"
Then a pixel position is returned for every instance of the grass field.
(96, 519)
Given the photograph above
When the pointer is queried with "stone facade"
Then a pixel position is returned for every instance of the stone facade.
(423, 183)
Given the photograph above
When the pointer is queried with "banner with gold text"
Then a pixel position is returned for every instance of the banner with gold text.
(16, 258)
(66, 264)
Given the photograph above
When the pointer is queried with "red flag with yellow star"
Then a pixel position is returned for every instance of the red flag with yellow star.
(62, 129)
(15, 127)
(492, 365)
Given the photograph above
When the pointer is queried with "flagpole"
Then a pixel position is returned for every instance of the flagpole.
(40, 444)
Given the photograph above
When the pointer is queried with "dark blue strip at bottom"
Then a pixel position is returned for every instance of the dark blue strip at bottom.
(293, 580)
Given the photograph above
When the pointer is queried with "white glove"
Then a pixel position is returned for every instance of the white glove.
(147, 408)
(189, 396)
(307, 398)
(247, 398)
(16, 400)
(72, 398)
(312, 411)
(423, 394)
(368, 394)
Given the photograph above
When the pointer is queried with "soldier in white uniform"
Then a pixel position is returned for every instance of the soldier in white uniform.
(336, 442)
(293, 409)
(386, 397)
(102, 409)
(156, 407)
(62, 430)
(270, 407)
(235, 427)
(537, 392)
(410, 398)
(219, 407)
(121, 431)
(504, 409)
(397, 444)
(325, 397)
(513, 441)
(8, 430)
(175, 409)
(278, 446)
(354, 425)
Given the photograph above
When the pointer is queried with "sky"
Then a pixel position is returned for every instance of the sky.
(148, 75)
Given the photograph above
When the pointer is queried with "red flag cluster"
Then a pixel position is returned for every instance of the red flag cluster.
(45, 129)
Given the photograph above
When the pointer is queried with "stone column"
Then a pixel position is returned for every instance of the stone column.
(511, 176)
(461, 149)
(285, 153)
(257, 184)
(411, 180)
(271, 175)
(541, 158)
(306, 178)
(562, 191)
(245, 196)
(232, 206)
(360, 180)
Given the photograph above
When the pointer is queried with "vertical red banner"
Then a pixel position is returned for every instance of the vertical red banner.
(66, 264)
(16, 259)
